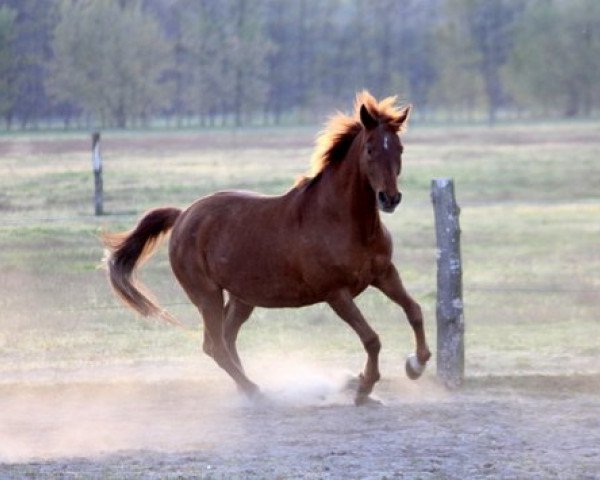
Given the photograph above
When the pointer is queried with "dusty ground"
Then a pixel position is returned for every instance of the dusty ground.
(496, 427)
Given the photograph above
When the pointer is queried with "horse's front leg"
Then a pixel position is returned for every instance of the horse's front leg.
(391, 284)
(343, 304)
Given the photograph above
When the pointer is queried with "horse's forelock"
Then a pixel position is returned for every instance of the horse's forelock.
(385, 111)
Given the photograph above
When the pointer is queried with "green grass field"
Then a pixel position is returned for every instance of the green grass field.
(530, 199)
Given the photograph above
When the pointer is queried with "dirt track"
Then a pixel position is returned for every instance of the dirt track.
(523, 427)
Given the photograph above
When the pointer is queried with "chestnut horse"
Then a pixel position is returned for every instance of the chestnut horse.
(322, 241)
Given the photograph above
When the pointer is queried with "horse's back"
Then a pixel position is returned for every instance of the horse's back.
(219, 221)
(226, 214)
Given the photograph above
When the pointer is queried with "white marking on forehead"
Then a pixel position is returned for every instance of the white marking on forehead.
(385, 141)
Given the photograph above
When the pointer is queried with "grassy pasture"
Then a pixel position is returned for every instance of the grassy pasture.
(531, 236)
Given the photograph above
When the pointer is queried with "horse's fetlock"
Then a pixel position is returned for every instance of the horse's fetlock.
(423, 355)
(207, 348)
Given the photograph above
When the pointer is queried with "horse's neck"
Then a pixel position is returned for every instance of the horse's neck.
(346, 193)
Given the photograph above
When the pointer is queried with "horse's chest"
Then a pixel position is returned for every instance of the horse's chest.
(356, 268)
(365, 269)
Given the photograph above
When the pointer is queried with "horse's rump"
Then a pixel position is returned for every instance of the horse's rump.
(247, 244)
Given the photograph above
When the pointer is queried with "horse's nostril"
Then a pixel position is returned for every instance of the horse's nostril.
(383, 198)
(397, 198)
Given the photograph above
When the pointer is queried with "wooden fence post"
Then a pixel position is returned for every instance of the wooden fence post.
(449, 311)
(97, 165)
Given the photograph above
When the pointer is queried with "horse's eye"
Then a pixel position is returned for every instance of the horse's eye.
(369, 149)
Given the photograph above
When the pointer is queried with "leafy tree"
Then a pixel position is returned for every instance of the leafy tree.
(278, 29)
(458, 88)
(7, 60)
(289, 25)
(224, 51)
(247, 49)
(419, 43)
(110, 59)
(556, 60)
(491, 26)
(201, 58)
(29, 41)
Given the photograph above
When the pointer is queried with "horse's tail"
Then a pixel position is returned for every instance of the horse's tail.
(128, 250)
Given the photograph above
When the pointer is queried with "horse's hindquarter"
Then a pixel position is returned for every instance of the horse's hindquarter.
(259, 249)
(238, 241)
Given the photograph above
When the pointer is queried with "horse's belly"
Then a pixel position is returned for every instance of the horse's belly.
(284, 288)
(271, 289)
(269, 275)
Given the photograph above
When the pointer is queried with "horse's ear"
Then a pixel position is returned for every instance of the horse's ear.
(367, 119)
(399, 122)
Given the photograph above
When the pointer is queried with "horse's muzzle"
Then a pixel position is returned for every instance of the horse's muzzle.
(388, 203)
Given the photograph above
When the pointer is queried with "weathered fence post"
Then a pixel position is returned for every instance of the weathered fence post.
(97, 164)
(449, 311)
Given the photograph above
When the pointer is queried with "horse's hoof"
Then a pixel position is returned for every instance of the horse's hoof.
(414, 368)
(352, 383)
(258, 400)
(367, 401)
(253, 394)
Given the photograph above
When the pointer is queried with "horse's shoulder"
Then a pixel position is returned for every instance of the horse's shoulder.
(382, 242)
(382, 250)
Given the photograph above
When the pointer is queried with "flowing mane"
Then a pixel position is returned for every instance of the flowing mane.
(334, 141)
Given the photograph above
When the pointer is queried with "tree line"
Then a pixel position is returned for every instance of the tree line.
(124, 63)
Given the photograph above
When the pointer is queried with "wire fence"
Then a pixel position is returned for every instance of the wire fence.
(502, 290)
(29, 221)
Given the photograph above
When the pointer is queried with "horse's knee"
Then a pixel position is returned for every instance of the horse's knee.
(415, 314)
(373, 345)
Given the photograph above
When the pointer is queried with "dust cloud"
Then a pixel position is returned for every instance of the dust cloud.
(98, 412)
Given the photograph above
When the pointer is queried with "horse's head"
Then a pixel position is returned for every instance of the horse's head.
(381, 158)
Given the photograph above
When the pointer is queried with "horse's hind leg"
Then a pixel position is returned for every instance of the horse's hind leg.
(343, 304)
(211, 308)
(236, 313)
